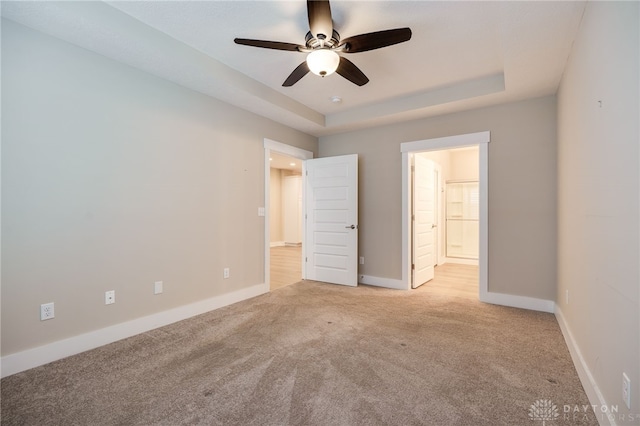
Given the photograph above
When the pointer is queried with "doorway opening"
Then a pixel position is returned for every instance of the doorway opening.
(330, 207)
(445, 219)
(285, 220)
(409, 150)
(285, 264)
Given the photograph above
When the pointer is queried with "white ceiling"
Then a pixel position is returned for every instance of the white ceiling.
(462, 54)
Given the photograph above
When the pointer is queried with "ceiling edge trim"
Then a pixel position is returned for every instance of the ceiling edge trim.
(463, 90)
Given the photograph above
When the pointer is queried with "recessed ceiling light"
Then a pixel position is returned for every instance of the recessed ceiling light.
(292, 164)
(270, 159)
(336, 99)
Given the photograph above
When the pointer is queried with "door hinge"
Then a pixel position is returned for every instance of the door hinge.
(413, 266)
(306, 259)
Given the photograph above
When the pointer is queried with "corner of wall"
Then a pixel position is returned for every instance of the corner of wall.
(586, 377)
(522, 302)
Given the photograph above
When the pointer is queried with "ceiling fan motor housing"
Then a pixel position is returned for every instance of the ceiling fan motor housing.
(313, 43)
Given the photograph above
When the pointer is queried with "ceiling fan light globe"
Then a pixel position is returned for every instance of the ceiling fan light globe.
(323, 62)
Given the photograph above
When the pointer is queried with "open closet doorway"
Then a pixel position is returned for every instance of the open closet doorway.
(448, 236)
(445, 220)
(284, 238)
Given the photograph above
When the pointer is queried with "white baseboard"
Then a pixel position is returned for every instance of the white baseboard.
(522, 302)
(586, 378)
(461, 261)
(277, 244)
(382, 282)
(30, 358)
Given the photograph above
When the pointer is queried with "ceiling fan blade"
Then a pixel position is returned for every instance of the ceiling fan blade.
(376, 40)
(320, 21)
(277, 45)
(300, 71)
(348, 70)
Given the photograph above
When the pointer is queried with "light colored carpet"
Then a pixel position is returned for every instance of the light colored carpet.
(315, 354)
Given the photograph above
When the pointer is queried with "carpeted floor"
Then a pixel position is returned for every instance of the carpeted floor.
(316, 354)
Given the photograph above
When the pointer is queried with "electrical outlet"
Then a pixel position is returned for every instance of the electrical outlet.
(157, 287)
(109, 297)
(225, 273)
(46, 311)
(362, 260)
(626, 390)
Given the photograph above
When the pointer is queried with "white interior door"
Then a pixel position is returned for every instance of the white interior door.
(423, 221)
(331, 225)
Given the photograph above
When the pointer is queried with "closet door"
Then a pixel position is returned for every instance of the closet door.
(423, 224)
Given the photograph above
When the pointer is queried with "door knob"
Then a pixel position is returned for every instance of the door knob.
(351, 227)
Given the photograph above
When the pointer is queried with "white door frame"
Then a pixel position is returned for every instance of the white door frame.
(290, 151)
(481, 139)
(440, 212)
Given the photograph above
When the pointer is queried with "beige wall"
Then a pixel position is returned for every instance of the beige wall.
(522, 191)
(598, 198)
(456, 164)
(278, 191)
(113, 179)
(442, 158)
(464, 164)
(275, 206)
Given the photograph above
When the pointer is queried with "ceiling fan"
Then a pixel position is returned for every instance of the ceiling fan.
(323, 44)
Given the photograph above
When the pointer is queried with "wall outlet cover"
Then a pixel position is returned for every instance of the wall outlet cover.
(46, 311)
